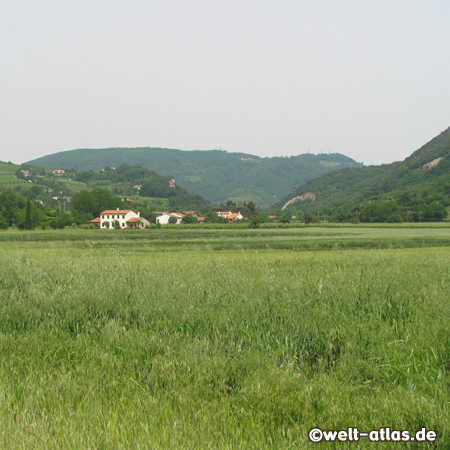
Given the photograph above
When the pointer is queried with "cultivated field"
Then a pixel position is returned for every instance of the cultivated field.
(222, 338)
(7, 174)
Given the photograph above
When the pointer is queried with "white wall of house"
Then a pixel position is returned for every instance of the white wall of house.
(238, 216)
(164, 219)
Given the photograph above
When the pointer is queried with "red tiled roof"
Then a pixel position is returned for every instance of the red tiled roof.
(233, 216)
(134, 219)
(201, 219)
(116, 211)
(96, 220)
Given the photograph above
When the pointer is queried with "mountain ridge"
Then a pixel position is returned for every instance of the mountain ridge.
(217, 175)
(418, 180)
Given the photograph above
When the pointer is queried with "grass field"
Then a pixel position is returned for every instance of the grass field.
(7, 174)
(222, 338)
(74, 186)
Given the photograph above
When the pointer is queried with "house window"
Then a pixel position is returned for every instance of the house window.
(123, 216)
(107, 216)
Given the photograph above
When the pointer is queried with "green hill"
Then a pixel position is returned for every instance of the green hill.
(417, 188)
(128, 186)
(214, 174)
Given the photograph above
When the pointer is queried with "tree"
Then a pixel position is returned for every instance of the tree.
(187, 219)
(93, 202)
(255, 221)
(116, 225)
(173, 220)
(10, 204)
(64, 219)
(310, 218)
(28, 222)
(3, 223)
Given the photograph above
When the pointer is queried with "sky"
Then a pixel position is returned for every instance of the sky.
(366, 78)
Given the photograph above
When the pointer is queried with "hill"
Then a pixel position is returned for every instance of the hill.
(416, 189)
(214, 174)
(85, 194)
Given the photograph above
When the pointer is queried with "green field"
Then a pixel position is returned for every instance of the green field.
(73, 186)
(8, 174)
(222, 338)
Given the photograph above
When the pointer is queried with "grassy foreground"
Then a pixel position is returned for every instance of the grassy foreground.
(222, 339)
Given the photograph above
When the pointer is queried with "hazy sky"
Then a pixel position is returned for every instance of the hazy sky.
(367, 78)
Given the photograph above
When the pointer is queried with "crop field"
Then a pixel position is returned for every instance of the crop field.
(222, 338)
(74, 186)
(7, 174)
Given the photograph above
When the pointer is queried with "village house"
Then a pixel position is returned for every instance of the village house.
(126, 218)
(230, 216)
(165, 218)
(235, 216)
(58, 171)
(223, 214)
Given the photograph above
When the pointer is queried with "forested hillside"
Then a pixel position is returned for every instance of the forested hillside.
(214, 174)
(416, 189)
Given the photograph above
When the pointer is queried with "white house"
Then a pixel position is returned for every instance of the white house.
(235, 216)
(164, 218)
(230, 216)
(224, 214)
(127, 218)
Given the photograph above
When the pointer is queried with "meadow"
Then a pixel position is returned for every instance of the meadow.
(222, 338)
(7, 174)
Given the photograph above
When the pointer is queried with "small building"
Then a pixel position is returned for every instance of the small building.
(165, 218)
(58, 171)
(235, 216)
(95, 222)
(138, 222)
(223, 214)
(230, 216)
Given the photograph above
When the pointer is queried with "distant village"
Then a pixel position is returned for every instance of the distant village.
(127, 218)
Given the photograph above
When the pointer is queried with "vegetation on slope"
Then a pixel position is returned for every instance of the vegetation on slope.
(216, 175)
(416, 189)
(77, 197)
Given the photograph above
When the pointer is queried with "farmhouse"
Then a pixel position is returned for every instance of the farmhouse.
(126, 218)
(164, 218)
(230, 216)
(235, 216)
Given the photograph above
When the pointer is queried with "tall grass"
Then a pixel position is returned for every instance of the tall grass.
(117, 347)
